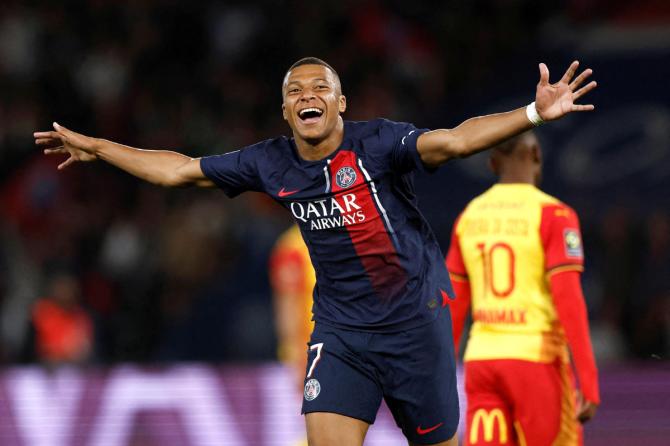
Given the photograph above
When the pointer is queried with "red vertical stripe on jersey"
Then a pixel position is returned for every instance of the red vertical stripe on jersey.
(370, 237)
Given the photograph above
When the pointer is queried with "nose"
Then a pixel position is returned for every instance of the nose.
(307, 94)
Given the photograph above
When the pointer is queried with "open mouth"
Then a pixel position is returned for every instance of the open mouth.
(310, 115)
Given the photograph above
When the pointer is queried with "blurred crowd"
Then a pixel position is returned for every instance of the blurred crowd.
(98, 267)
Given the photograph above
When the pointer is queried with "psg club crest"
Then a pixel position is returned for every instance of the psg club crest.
(345, 177)
(312, 389)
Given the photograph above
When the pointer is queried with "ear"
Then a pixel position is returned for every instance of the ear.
(342, 103)
(493, 165)
(536, 154)
(283, 111)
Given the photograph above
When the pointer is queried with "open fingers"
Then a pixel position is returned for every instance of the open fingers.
(570, 72)
(544, 74)
(579, 79)
(49, 134)
(48, 142)
(580, 107)
(55, 151)
(66, 163)
(585, 89)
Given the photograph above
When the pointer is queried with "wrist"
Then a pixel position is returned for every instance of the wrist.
(97, 146)
(533, 116)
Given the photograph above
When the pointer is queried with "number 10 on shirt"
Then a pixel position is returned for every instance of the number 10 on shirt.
(500, 254)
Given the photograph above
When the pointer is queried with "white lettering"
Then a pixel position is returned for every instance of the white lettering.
(299, 215)
(323, 206)
(349, 202)
(334, 205)
(314, 225)
(208, 418)
(45, 404)
(311, 209)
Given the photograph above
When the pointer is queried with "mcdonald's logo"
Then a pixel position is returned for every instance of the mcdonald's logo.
(487, 419)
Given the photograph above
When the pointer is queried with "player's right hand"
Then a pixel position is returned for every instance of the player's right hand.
(585, 409)
(64, 141)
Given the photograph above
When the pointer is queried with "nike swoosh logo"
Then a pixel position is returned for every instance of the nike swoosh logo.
(285, 193)
(427, 430)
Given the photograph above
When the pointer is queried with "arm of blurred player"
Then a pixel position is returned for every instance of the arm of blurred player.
(460, 306)
(552, 101)
(566, 291)
(161, 167)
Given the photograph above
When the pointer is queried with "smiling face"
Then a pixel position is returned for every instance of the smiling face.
(313, 102)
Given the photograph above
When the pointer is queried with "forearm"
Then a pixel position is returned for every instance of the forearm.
(160, 167)
(482, 132)
(471, 136)
(571, 309)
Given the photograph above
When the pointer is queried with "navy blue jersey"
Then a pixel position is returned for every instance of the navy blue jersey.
(378, 264)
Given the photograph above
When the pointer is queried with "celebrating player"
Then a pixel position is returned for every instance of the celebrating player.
(515, 259)
(382, 325)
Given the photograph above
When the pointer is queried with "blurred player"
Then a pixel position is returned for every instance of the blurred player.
(515, 259)
(382, 325)
(292, 278)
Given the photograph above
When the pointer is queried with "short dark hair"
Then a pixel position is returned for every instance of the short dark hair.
(508, 146)
(315, 61)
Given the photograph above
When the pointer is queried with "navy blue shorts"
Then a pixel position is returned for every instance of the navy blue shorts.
(349, 372)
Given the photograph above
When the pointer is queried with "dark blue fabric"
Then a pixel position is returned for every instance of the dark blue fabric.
(348, 294)
(414, 371)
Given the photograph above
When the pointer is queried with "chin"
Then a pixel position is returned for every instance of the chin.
(312, 136)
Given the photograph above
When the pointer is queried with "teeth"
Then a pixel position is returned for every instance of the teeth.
(312, 109)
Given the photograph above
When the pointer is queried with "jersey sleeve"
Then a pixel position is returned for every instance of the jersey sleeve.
(568, 299)
(234, 172)
(401, 137)
(455, 263)
(561, 239)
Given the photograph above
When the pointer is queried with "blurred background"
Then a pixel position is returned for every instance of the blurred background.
(112, 277)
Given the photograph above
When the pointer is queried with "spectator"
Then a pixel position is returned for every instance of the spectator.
(63, 330)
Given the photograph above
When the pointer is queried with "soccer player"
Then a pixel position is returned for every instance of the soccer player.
(515, 259)
(292, 277)
(382, 325)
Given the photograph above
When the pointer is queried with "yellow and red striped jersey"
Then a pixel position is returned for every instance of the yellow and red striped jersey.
(506, 243)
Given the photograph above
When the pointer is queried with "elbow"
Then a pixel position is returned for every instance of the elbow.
(453, 145)
(171, 180)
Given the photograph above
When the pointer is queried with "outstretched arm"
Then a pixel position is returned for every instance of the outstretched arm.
(161, 167)
(552, 101)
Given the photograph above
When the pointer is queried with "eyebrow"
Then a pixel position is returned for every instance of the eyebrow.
(298, 82)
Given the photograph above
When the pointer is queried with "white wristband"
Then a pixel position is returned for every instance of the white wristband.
(533, 115)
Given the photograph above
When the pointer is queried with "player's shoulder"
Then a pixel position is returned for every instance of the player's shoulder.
(375, 126)
(553, 208)
(479, 201)
(268, 146)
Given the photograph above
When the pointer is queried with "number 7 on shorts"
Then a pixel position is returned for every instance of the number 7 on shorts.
(318, 348)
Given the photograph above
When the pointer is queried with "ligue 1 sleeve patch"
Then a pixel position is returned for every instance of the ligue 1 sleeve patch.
(573, 243)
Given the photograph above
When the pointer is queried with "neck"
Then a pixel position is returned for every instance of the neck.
(521, 176)
(317, 150)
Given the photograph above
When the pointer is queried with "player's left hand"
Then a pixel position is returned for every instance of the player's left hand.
(554, 101)
(585, 409)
